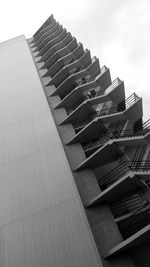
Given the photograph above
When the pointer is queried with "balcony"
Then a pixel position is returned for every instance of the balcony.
(72, 81)
(49, 38)
(92, 146)
(63, 48)
(70, 69)
(127, 166)
(48, 22)
(53, 42)
(130, 109)
(48, 32)
(41, 31)
(128, 197)
(111, 93)
(62, 77)
(124, 137)
(134, 109)
(107, 153)
(80, 93)
(58, 66)
(98, 152)
(127, 177)
(58, 53)
(73, 55)
(132, 215)
(130, 101)
(88, 108)
(94, 96)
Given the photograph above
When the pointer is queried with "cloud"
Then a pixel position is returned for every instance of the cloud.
(115, 31)
(123, 45)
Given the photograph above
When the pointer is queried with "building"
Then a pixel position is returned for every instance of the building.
(74, 158)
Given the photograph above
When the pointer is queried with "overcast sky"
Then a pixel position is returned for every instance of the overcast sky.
(116, 31)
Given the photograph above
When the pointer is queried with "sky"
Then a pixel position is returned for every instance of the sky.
(115, 31)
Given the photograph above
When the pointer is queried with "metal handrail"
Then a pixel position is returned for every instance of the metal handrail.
(131, 100)
(103, 69)
(120, 133)
(113, 85)
(139, 166)
(106, 137)
(114, 175)
(146, 124)
(124, 167)
(97, 143)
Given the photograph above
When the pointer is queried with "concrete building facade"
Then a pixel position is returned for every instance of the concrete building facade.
(74, 158)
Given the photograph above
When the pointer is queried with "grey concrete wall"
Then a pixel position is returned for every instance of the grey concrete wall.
(103, 226)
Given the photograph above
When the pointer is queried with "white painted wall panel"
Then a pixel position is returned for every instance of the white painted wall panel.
(42, 221)
(50, 238)
(34, 182)
(27, 136)
(21, 108)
